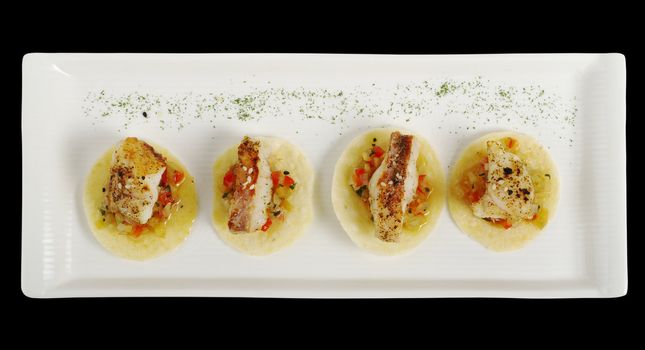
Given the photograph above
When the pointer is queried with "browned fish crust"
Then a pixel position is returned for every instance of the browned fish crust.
(248, 158)
(390, 199)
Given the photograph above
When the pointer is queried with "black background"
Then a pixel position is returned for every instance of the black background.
(321, 29)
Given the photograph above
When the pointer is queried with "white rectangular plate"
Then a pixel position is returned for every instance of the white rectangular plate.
(75, 106)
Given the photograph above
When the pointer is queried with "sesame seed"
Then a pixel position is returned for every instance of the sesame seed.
(250, 170)
(383, 184)
(390, 182)
(252, 187)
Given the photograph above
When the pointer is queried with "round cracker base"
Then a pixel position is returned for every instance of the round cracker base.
(354, 217)
(146, 246)
(285, 156)
(493, 236)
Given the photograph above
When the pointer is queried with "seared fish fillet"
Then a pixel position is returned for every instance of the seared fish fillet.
(135, 173)
(509, 189)
(252, 189)
(392, 186)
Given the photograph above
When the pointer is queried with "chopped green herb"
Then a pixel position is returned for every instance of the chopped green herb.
(359, 191)
(292, 186)
(225, 195)
(285, 172)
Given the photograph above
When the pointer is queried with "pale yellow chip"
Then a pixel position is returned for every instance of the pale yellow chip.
(545, 180)
(355, 217)
(148, 245)
(285, 156)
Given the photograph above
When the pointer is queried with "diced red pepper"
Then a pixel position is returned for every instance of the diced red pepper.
(288, 181)
(505, 223)
(378, 151)
(179, 177)
(420, 185)
(229, 178)
(358, 180)
(275, 177)
(267, 225)
(165, 197)
(137, 230)
(510, 142)
(164, 177)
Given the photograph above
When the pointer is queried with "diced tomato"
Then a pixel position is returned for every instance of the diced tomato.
(275, 177)
(164, 178)
(229, 178)
(534, 216)
(420, 185)
(378, 151)
(266, 225)
(288, 181)
(505, 223)
(179, 177)
(510, 142)
(137, 230)
(358, 180)
(165, 197)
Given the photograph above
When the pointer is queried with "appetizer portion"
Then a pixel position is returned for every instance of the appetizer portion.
(503, 190)
(140, 202)
(388, 190)
(263, 190)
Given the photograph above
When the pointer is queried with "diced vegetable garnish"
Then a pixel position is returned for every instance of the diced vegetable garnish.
(275, 178)
(360, 177)
(510, 142)
(288, 181)
(267, 225)
(165, 197)
(505, 223)
(179, 177)
(229, 179)
(378, 151)
(421, 185)
(473, 183)
(137, 230)
(164, 178)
